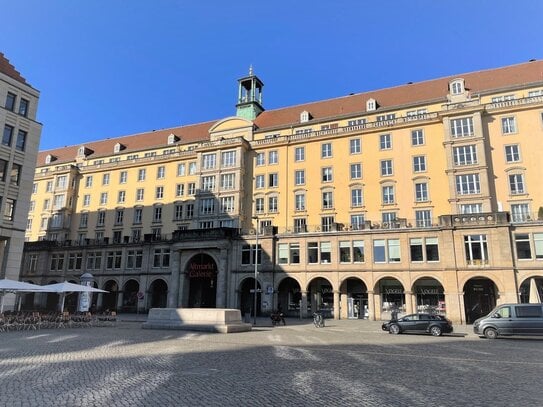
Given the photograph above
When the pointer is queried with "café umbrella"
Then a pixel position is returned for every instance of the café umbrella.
(534, 297)
(67, 287)
(14, 286)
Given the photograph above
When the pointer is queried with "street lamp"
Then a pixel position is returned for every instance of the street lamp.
(256, 270)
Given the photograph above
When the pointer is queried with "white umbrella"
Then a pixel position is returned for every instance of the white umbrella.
(67, 287)
(13, 286)
(534, 293)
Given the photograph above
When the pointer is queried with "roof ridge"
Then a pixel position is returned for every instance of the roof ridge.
(8, 69)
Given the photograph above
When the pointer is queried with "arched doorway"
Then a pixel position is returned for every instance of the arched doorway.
(247, 299)
(109, 299)
(289, 297)
(321, 294)
(202, 277)
(355, 295)
(429, 296)
(479, 298)
(526, 291)
(392, 296)
(52, 300)
(159, 294)
(130, 296)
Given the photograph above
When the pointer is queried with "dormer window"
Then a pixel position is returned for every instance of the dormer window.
(305, 116)
(172, 138)
(49, 158)
(457, 87)
(81, 151)
(371, 105)
(118, 147)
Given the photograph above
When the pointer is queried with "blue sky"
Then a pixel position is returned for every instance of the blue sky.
(108, 68)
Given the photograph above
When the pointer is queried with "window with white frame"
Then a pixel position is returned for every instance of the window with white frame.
(388, 194)
(228, 181)
(424, 249)
(84, 220)
(326, 150)
(326, 223)
(457, 87)
(260, 159)
(467, 209)
(509, 125)
(86, 200)
(94, 260)
(228, 159)
(423, 218)
(227, 204)
(357, 221)
(259, 182)
(385, 142)
(138, 215)
(299, 154)
(417, 137)
(516, 184)
(190, 211)
(356, 197)
(326, 252)
(385, 117)
(123, 176)
(299, 201)
(520, 212)
(88, 181)
(327, 200)
(327, 174)
(159, 192)
(386, 168)
(208, 183)
(465, 155)
(209, 161)
(119, 216)
(355, 146)
(140, 194)
(386, 250)
(273, 157)
(259, 205)
(356, 122)
(134, 259)
(522, 245)
(141, 174)
(419, 163)
(161, 172)
(462, 127)
(121, 197)
(273, 204)
(178, 212)
(273, 180)
(192, 168)
(300, 225)
(356, 171)
(512, 153)
(101, 218)
(421, 191)
(62, 182)
(207, 206)
(58, 201)
(299, 177)
(161, 258)
(191, 189)
(181, 168)
(538, 245)
(476, 249)
(468, 184)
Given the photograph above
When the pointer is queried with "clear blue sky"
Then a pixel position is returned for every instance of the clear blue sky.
(108, 68)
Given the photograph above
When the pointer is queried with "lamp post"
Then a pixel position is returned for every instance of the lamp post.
(256, 270)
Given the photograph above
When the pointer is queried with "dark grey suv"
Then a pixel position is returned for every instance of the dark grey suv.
(511, 319)
(421, 323)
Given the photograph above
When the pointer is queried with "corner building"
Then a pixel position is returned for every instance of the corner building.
(18, 152)
(425, 196)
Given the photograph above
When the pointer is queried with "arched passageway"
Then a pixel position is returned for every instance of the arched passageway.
(289, 297)
(479, 298)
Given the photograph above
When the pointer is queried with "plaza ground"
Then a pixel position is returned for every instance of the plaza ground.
(349, 362)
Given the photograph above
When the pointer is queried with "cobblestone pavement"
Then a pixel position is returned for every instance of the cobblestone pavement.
(346, 363)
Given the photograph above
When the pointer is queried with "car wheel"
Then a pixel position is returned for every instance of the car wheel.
(491, 333)
(435, 331)
(394, 329)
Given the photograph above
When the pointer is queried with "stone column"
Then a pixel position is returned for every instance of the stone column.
(221, 279)
(371, 306)
(408, 295)
(304, 304)
(173, 290)
(336, 305)
(343, 306)
(120, 300)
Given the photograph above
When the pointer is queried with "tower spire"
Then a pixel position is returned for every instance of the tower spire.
(249, 104)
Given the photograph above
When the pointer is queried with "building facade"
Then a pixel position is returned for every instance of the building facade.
(18, 153)
(425, 196)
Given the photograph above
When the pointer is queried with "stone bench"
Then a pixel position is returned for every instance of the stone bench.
(196, 319)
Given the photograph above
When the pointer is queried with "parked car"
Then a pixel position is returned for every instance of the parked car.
(428, 323)
(511, 319)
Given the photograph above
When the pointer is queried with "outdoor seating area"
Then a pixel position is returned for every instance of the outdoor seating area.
(26, 321)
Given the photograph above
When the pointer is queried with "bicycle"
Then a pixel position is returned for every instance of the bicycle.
(318, 320)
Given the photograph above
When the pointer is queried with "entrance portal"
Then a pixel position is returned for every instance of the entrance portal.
(479, 298)
(202, 276)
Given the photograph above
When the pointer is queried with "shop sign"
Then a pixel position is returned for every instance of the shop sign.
(429, 291)
(202, 270)
(393, 290)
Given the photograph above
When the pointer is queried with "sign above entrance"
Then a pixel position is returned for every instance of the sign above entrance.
(202, 270)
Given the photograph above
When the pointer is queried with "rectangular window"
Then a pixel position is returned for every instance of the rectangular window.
(192, 168)
(273, 157)
(516, 184)
(57, 262)
(181, 168)
(228, 158)
(272, 204)
(88, 181)
(103, 198)
(379, 254)
(358, 251)
(386, 168)
(509, 125)
(421, 192)
(273, 180)
(259, 181)
(462, 127)
(416, 250)
(283, 253)
(345, 252)
(75, 261)
(123, 176)
(465, 155)
(121, 197)
(7, 136)
(140, 194)
(355, 146)
(161, 172)
(209, 161)
(228, 181)
(23, 107)
(10, 101)
(299, 177)
(357, 222)
(520, 212)
(538, 245)
(300, 225)
(157, 214)
(259, 205)
(179, 189)
(105, 179)
(388, 195)
(191, 189)
(312, 252)
(432, 249)
(208, 183)
(417, 137)
(326, 223)
(327, 174)
(227, 204)
(423, 218)
(476, 249)
(299, 202)
(356, 197)
(161, 258)
(327, 200)
(468, 184)
(260, 159)
(21, 140)
(471, 208)
(356, 171)
(15, 175)
(207, 206)
(101, 218)
(178, 212)
(522, 243)
(326, 252)
(299, 154)
(512, 153)
(294, 253)
(419, 163)
(138, 215)
(134, 259)
(394, 250)
(141, 174)
(385, 142)
(114, 259)
(119, 215)
(326, 150)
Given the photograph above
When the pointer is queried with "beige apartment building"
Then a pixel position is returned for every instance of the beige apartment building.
(18, 152)
(424, 196)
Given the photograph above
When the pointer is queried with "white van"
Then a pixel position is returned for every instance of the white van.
(511, 319)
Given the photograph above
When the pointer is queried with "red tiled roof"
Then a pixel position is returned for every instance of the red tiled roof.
(7, 69)
(431, 90)
(416, 93)
(136, 142)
